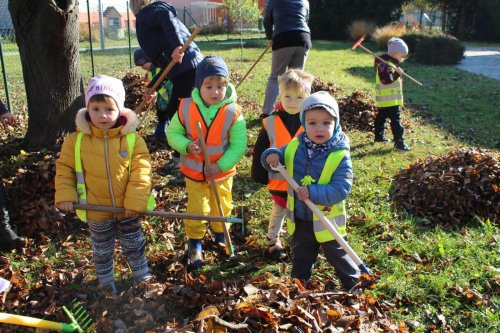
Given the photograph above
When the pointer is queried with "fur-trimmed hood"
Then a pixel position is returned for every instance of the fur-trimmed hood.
(127, 117)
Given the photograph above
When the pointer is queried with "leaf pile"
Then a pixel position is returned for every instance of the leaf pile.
(330, 87)
(453, 188)
(134, 90)
(357, 112)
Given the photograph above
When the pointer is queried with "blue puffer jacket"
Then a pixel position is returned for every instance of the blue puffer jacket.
(327, 195)
(159, 32)
(286, 15)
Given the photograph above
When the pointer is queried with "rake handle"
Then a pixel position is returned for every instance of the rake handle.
(254, 64)
(385, 62)
(213, 187)
(330, 225)
(13, 319)
(169, 67)
(173, 215)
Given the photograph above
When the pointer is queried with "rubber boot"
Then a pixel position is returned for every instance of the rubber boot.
(8, 238)
(160, 131)
(195, 256)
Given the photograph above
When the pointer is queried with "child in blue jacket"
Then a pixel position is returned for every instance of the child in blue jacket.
(319, 160)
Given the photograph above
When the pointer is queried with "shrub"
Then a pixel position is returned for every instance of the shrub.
(439, 50)
(383, 34)
(412, 39)
(359, 28)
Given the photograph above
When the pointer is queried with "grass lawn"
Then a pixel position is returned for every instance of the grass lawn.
(433, 276)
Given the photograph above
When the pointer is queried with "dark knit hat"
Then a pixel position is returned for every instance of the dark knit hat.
(211, 65)
(140, 58)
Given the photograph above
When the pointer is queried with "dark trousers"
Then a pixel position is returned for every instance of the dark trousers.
(394, 114)
(182, 86)
(305, 250)
(4, 213)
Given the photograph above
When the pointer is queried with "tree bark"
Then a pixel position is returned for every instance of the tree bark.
(47, 36)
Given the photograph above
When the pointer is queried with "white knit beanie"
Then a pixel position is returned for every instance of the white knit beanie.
(397, 45)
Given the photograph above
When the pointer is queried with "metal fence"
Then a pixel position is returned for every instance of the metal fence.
(107, 30)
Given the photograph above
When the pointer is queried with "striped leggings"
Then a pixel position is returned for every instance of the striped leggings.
(103, 235)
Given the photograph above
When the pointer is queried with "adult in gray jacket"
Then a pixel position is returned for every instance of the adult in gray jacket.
(285, 23)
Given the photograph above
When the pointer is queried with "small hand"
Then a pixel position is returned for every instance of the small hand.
(131, 213)
(303, 193)
(273, 160)
(194, 147)
(8, 119)
(212, 171)
(177, 55)
(66, 206)
(399, 71)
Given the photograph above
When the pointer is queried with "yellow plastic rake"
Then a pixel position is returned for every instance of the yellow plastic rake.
(80, 321)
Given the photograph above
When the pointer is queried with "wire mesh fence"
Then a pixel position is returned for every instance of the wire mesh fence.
(107, 36)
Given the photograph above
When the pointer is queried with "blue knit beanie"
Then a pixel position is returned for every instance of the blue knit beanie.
(211, 65)
(140, 58)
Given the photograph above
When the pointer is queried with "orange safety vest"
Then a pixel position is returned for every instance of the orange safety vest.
(216, 137)
(278, 137)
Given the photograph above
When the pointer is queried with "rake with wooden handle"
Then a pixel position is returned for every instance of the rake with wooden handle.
(254, 64)
(172, 215)
(213, 187)
(169, 68)
(330, 225)
(358, 43)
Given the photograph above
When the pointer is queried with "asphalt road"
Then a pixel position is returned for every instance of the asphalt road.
(482, 60)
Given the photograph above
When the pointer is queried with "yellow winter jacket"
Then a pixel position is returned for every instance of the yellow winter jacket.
(130, 192)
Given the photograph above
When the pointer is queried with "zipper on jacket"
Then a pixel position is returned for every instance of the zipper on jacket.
(106, 158)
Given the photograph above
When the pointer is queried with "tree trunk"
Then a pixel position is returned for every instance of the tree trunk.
(47, 35)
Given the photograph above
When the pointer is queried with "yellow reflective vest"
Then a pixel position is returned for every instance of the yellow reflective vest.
(335, 213)
(391, 94)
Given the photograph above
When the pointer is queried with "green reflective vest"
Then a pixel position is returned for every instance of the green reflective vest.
(81, 189)
(391, 94)
(166, 88)
(335, 213)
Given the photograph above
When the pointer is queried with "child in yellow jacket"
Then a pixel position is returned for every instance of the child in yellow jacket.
(106, 163)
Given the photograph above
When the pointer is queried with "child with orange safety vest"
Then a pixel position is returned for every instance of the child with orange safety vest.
(213, 105)
(279, 129)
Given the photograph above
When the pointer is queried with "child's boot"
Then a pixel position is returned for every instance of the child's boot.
(401, 145)
(275, 250)
(220, 242)
(8, 238)
(195, 256)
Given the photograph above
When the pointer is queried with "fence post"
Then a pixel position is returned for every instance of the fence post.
(101, 25)
(5, 83)
(90, 38)
(129, 44)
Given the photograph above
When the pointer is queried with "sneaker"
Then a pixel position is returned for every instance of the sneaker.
(195, 256)
(382, 139)
(401, 145)
(276, 253)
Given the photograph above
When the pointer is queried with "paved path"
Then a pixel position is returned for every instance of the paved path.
(482, 60)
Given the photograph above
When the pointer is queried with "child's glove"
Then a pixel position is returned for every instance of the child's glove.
(212, 171)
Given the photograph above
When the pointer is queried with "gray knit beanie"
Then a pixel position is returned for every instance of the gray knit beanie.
(397, 45)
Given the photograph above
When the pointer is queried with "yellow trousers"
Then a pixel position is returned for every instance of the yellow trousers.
(201, 200)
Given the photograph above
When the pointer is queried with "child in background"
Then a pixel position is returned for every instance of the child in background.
(163, 95)
(319, 160)
(107, 163)
(389, 93)
(278, 130)
(213, 104)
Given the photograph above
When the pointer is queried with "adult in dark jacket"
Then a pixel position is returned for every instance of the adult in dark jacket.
(161, 35)
(285, 23)
(8, 238)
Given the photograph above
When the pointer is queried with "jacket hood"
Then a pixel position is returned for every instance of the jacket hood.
(229, 98)
(128, 116)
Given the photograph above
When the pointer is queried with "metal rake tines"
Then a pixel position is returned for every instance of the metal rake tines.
(80, 317)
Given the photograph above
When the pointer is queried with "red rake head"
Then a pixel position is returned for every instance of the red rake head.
(358, 42)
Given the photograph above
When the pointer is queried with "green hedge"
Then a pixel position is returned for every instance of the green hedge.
(434, 49)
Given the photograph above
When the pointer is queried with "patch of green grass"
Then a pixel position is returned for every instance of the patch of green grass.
(425, 270)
